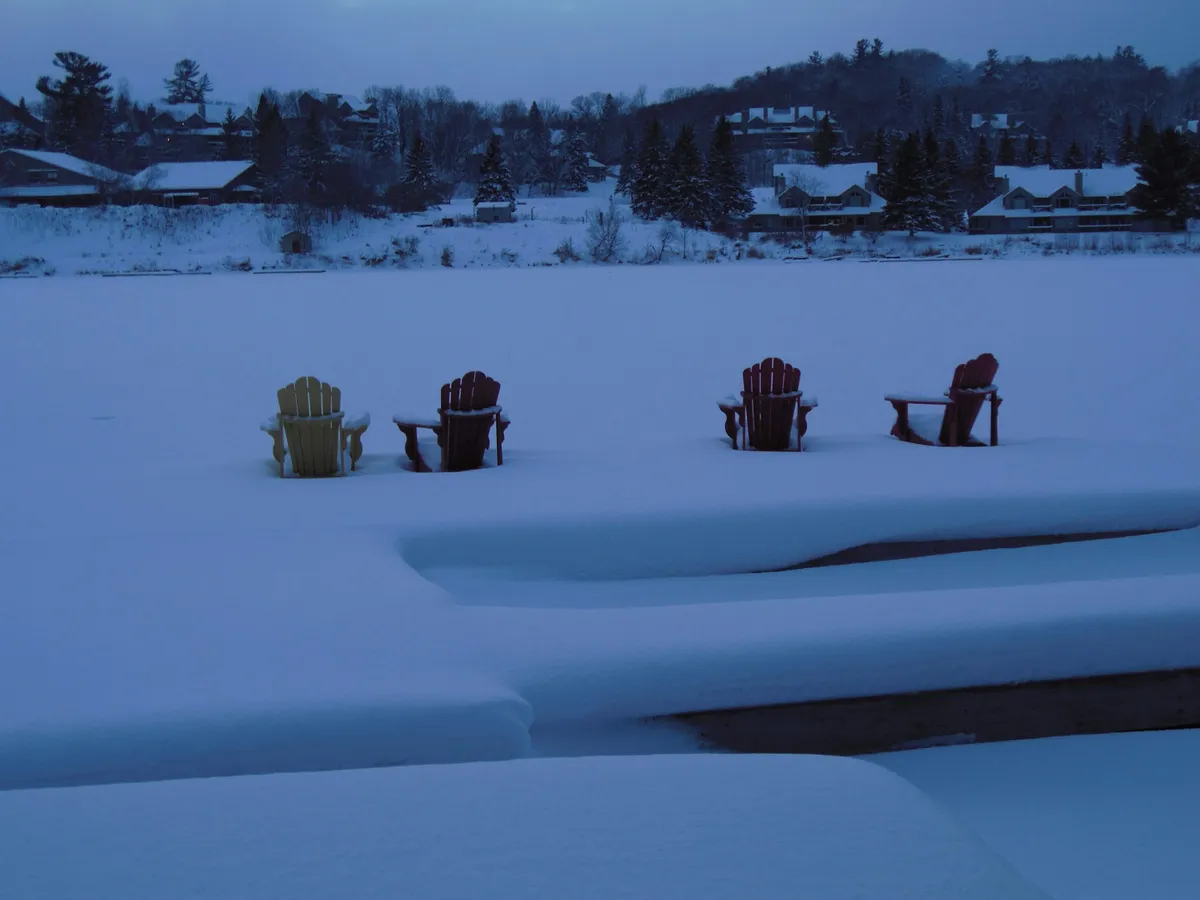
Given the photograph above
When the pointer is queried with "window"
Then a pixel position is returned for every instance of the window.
(1019, 203)
(1062, 203)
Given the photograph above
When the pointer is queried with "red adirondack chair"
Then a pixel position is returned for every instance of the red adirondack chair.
(469, 407)
(973, 383)
(770, 401)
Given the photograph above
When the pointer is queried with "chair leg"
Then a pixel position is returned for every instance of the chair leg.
(995, 438)
(499, 442)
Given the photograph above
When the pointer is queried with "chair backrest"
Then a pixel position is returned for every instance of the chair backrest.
(473, 391)
(771, 376)
(979, 372)
(309, 397)
(959, 419)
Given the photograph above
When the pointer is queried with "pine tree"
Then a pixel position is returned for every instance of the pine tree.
(992, 68)
(1147, 139)
(956, 116)
(861, 47)
(314, 160)
(537, 147)
(825, 142)
(648, 195)
(231, 138)
(907, 191)
(688, 196)
(629, 155)
(79, 105)
(1127, 145)
(575, 174)
(938, 186)
(983, 171)
(1029, 156)
(939, 115)
(1007, 153)
(815, 59)
(1169, 173)
(1048, 154)
(1099, 155)
(904, 99)
(418, 165)
(730, 198)
(880, 152)
(606, 133)
(187, 84)
(1074, 158)
(495, 181)
(270, 145)
(952, 158)
(876, 48)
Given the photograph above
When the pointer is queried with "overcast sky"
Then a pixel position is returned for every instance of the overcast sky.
(500, 49)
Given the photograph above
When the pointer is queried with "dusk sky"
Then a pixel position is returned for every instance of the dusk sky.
(532, 49)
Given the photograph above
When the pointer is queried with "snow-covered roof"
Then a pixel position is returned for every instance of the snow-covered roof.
(825, 181)
(190, 176)
(494, 204)
(213, 112)
(1042, 181)
(996, 208)
(48, 190)
(1191, 126)
(766, 203)
(779, 115)
(70, 163)
(996, 121)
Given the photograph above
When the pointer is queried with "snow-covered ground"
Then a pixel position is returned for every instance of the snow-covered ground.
(244, 238)
(173, 608)
(640, 827)
(1097, 817)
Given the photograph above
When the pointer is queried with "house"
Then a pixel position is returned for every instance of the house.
(56, 179)
(997, 124)
(777, 127)
(597, 171)
(491, 211)
(182, 132)
(1039, 199)
(808, 197)
(191, 183)
(352, 120)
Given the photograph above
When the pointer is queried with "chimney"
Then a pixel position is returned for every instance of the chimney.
(201, 108)
(1079, 183)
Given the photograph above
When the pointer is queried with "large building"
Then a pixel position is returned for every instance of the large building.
(778, 127)
(819, 198)
(1038, 199)
(55, 179)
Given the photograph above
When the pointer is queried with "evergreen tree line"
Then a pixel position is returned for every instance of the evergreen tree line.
(678, 182)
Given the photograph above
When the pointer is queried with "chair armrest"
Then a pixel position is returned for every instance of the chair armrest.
(809, 400)
(356, 421)
(470, 413)
(332, 417)
(731, 401)
(271, 425)
(918, 399)
(417, 421)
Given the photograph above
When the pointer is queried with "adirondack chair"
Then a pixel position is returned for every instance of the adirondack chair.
(971, 386)
(469, 407)
(316, 429)
(770, 401)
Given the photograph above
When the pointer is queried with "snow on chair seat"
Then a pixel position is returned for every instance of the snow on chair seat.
(469, 407)
(973, 383)
(316, 430)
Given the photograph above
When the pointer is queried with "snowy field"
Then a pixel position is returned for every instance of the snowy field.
(704, 827)
(36, 241)
(174, 608)
(1097, 817)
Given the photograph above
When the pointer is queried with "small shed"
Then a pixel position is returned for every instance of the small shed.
(295, 242)
(494, 211)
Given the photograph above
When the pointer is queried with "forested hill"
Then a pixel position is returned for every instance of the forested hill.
(1084, 99)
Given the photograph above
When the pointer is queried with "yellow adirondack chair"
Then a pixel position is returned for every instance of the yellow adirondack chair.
(316, 429)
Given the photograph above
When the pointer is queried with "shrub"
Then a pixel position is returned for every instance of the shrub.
(448, 256)
(566, 252)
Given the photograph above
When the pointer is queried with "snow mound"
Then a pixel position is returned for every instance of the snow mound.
(639, 827)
